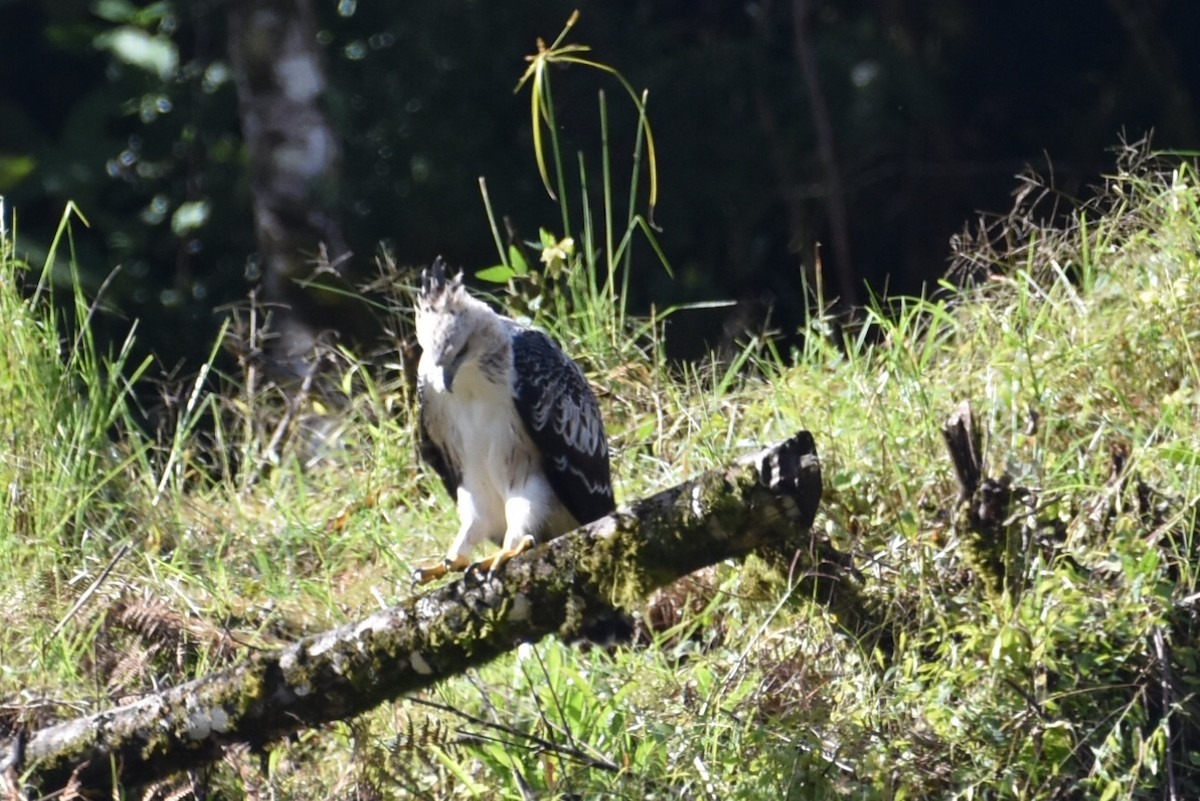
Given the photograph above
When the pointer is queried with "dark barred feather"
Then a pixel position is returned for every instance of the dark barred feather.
(563, 417)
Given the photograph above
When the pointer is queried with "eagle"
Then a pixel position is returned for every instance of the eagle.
(508, 422)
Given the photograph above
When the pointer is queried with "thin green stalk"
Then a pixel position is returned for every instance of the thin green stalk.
(589, 285)
(64, 227)
(606, 173)
(487, 207)
(634, 177)
(189, 417)
(556, 151)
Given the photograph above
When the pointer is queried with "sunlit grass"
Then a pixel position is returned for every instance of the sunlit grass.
(135, 562)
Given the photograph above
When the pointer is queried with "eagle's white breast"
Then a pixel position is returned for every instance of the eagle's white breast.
(507, 420)
(504, 493)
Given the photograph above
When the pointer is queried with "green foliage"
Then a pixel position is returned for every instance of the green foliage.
(580, 291)
(541, 105)
(134, 117)
(134, 563)
(60, 412)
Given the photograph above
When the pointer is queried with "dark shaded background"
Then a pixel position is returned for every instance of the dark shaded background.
(933, 105)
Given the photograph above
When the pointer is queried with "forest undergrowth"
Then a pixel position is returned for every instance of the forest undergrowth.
(1065, 667)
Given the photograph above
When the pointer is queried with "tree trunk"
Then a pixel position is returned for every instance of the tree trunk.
(835, 188)
(294, 173)
(763, 503)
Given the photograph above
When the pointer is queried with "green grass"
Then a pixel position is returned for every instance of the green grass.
(133, 563)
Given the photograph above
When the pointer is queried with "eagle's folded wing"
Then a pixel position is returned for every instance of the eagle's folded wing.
(556, 404)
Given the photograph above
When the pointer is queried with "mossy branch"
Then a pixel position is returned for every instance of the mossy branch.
(767, 501)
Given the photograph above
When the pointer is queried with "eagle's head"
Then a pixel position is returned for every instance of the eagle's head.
(453, 328)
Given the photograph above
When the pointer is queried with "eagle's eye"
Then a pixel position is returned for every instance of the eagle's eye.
(461, 355)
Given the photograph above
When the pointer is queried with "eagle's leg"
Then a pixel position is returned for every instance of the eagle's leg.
(472, 530)
(435, 570)
(524, 515)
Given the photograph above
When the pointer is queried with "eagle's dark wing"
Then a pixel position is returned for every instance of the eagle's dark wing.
(557, 406)
(432, 453)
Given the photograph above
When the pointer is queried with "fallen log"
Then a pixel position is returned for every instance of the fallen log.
(766, 502)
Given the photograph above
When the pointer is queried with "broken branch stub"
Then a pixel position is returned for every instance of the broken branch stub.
(990, 541)
(763, 501)
(964, 440)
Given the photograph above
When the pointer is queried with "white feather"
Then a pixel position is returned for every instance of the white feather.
(503, 494)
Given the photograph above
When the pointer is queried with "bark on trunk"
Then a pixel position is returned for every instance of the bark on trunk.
(294, 172)
(764, 503)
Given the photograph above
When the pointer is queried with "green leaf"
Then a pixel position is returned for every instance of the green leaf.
(1111, 791)
(189, 216)
(114, 10)
(519, 265)
(155, 54)
(459, 772)
(548, 239)
(499, 274)
(14, 169)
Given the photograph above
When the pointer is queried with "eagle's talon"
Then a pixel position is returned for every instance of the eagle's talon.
(428, 573)
(502, 557)
(477, 572)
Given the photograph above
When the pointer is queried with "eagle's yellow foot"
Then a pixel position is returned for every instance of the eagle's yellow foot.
(435, 570)
(493, 563)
